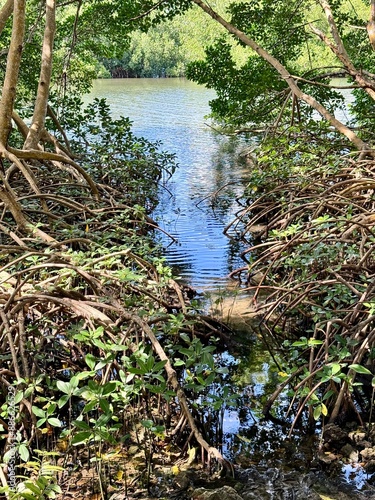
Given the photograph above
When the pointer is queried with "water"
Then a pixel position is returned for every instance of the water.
(173, 111)
(205, 195)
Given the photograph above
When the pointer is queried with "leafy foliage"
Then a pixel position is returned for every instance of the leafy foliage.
(313, 258)
(94, 303)
(168, 46)
(252, 93)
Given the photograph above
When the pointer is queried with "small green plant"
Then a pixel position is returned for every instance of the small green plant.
(41, 483)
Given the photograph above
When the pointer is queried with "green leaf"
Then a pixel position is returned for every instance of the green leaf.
(109, 388)
(104, 405)
(55, 422)
(38, 411)
(41, 421)
(8, 455)
(46, 467)
(23, 452)
(81, 437)
(51, 408)
(156, 389)
(85, 375)
(335, 368)
(187, 352)
(33, 488)
(102, 420)
(314, 342)
(56, 488)
(360, 369)
(324, 410)
(129, 378)
(300, 343)
(18, 397)
(74, 381)
(317, 412)
(178, 362)
(210, 378)
(63, 400)
(159, 365)
(81, 425)
(29, 496)
(148, 424)
(64, 387)
(328, 394)
(117, 348)
(90, 406)
(136, 371)
(90, 361)
(185, 337)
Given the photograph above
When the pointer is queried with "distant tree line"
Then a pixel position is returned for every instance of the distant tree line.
(167, 48)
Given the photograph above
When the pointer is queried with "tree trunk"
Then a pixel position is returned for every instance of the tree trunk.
(371, 25)
(12, 69)
(41, 103)
(5, 13)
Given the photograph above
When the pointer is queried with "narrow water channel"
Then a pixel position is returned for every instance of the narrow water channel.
(202, 197)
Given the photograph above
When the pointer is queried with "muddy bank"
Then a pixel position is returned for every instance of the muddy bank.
(248, 484)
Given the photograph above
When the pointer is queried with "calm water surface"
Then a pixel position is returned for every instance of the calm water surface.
(173, 111)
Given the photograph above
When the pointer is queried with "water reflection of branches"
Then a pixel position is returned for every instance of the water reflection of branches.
(215, 194)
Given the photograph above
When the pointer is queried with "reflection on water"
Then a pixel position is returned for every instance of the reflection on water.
(208, 180)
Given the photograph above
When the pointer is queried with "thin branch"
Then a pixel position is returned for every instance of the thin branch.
(8, 94)
(145, 14)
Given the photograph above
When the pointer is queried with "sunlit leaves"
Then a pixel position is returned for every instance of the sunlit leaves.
(360, 369)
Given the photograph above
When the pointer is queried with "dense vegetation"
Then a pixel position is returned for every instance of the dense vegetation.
(94, 332)
(166, 49)
(99, 345)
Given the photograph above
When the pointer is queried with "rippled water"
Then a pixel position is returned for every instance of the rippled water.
(173, 111)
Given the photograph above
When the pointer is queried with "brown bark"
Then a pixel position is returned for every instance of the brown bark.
(371, 25)
(37, 129)
(284, 73)
(8, 197)
(12, 69)
(41, 103)
(338, 48)
(56, 159)
(5, 13)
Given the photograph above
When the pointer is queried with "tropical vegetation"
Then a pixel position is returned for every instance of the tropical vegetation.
(101, 349)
